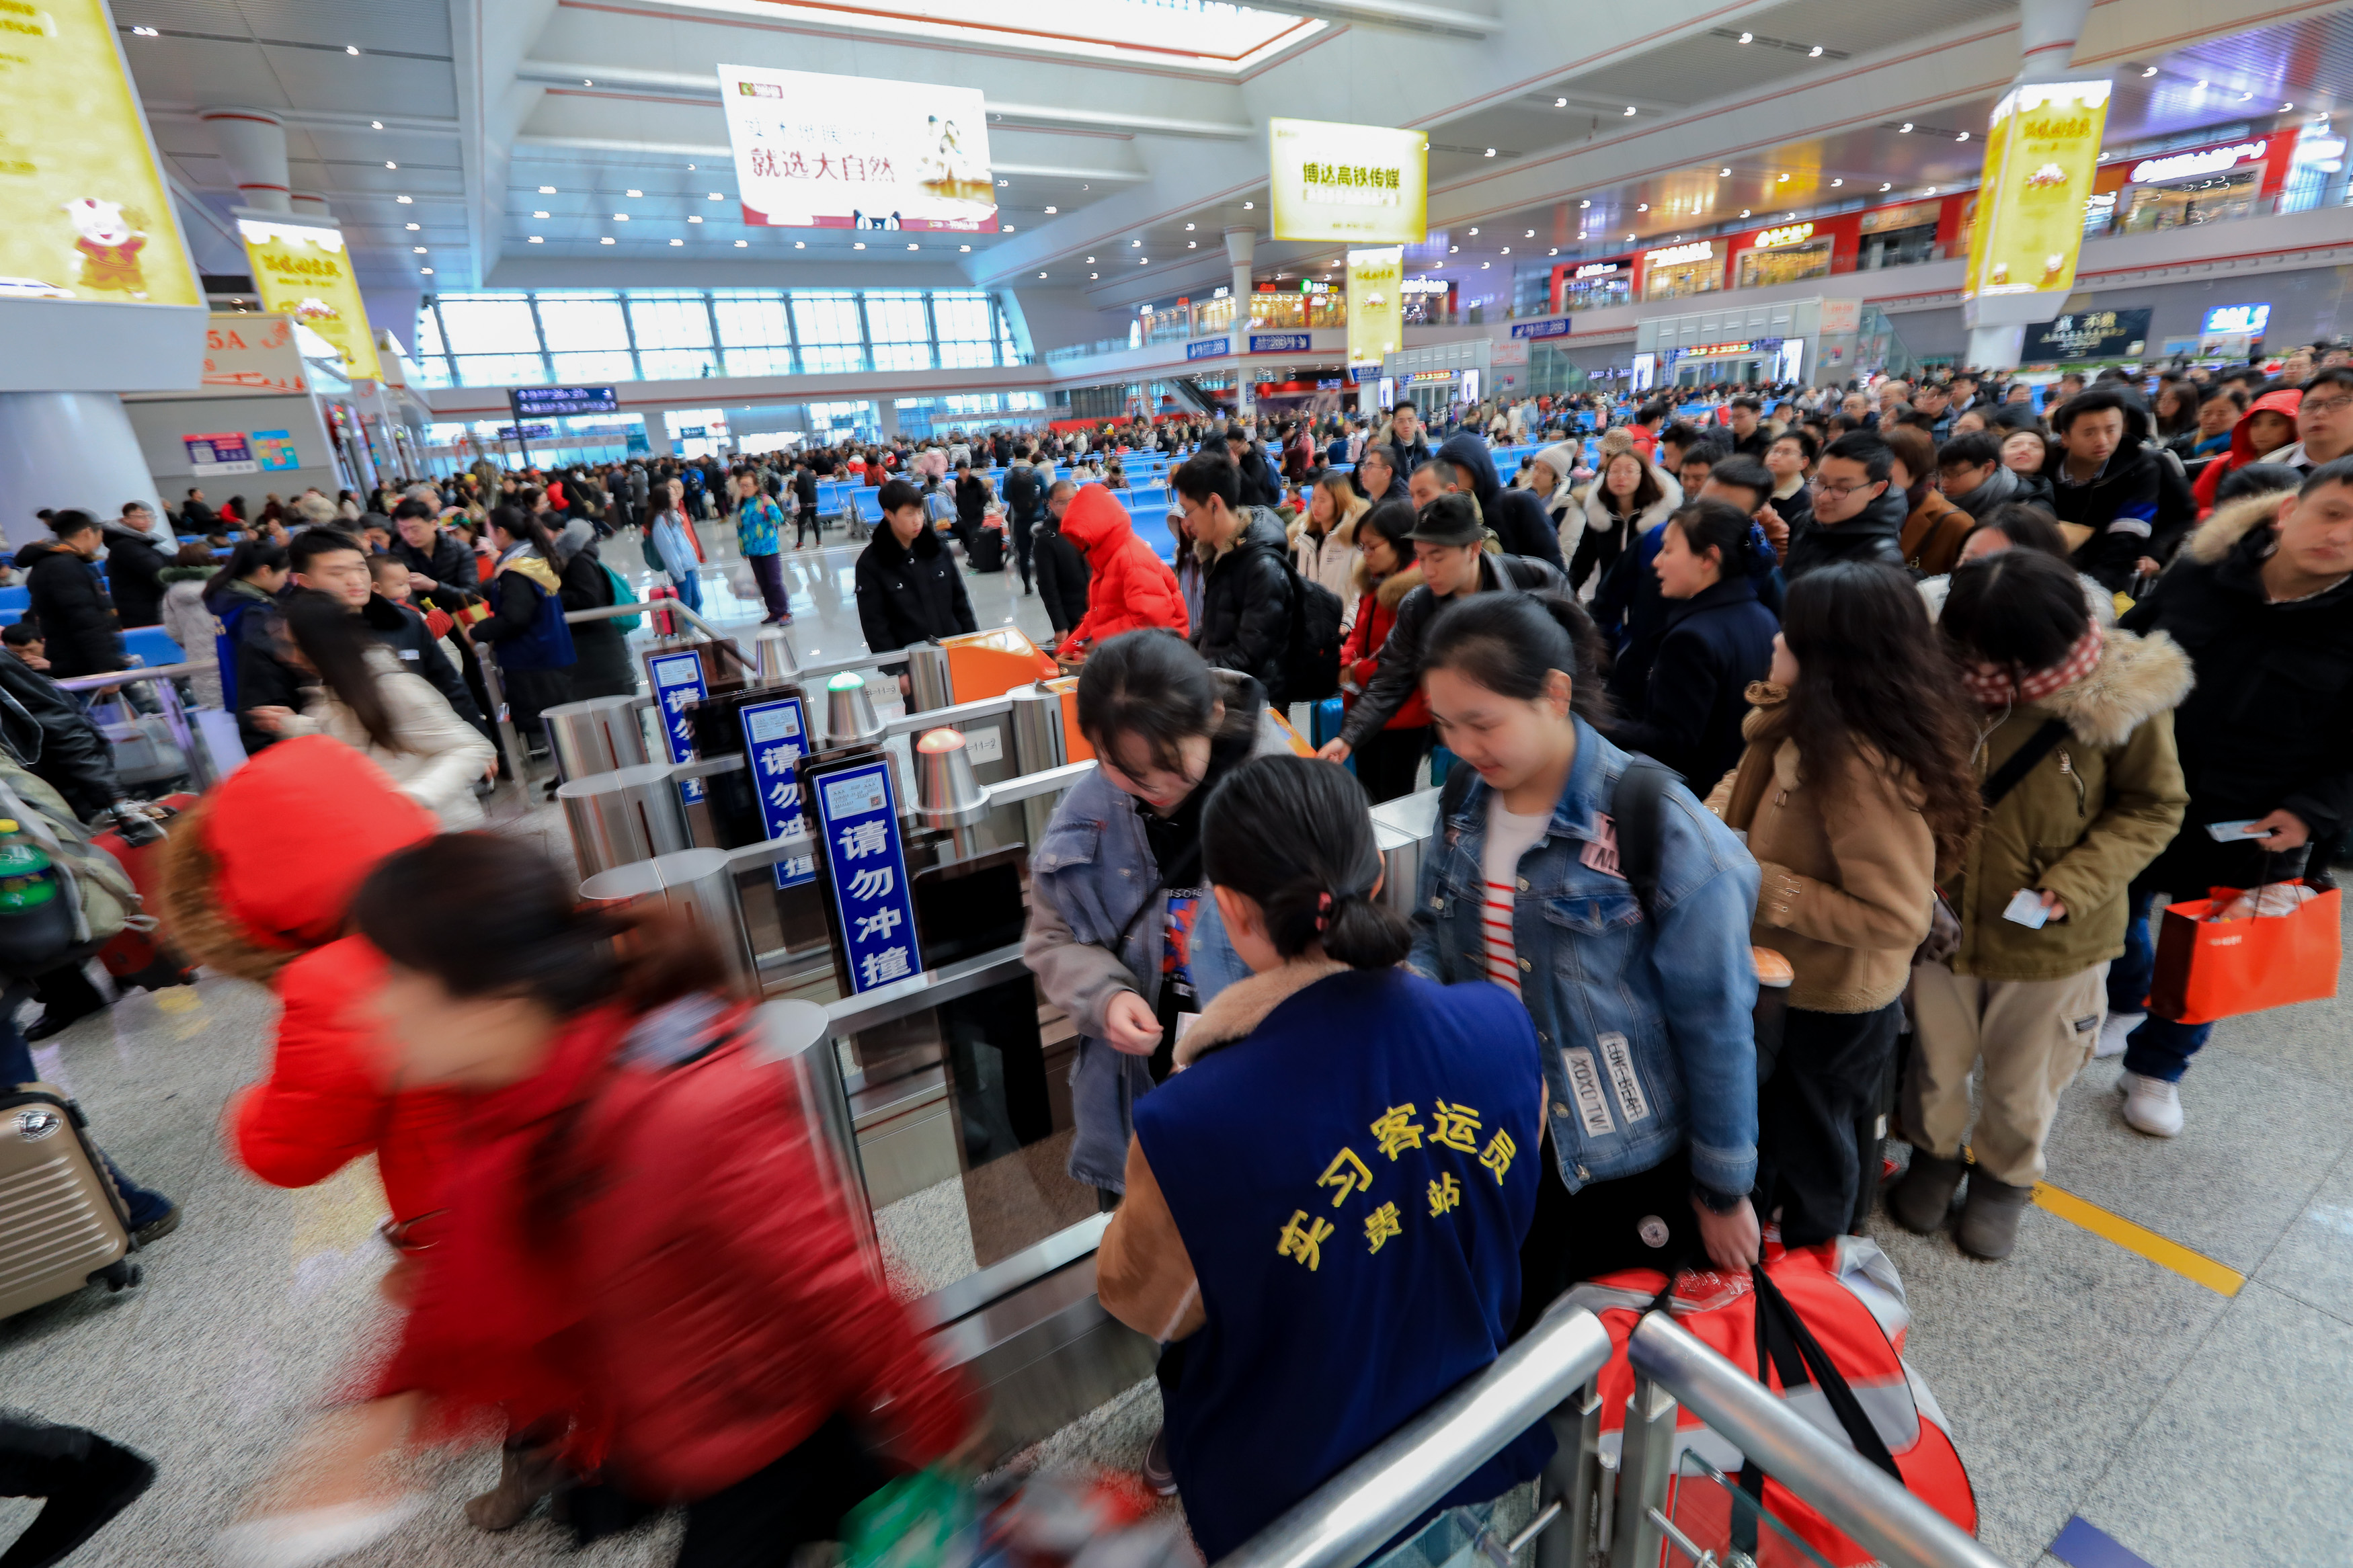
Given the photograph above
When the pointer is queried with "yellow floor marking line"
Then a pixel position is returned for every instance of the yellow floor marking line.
(2192, 1265)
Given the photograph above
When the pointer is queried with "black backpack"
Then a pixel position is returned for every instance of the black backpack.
(1310, 657)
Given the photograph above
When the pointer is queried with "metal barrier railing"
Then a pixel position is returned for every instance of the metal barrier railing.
(167, 699)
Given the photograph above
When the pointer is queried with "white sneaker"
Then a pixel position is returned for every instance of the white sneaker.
(2151, 1105)
(2114, 1033)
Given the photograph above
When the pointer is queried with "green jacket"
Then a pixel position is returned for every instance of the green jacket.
(2085, 820)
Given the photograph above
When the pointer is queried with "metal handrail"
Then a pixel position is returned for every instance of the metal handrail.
(1849, 1490)
(1347, 1519)
(167, 699)
(136, 673)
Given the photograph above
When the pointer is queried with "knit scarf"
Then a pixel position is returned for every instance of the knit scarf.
(1997, 686)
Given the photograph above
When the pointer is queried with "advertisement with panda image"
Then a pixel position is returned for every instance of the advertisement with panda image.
(84, 214)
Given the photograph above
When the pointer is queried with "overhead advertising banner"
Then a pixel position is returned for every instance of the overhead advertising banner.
(250, 353)
(851, 151)
(1375, 303)
(1367, 184)
(2086, 334)
(83, 211)
(2042, 149)
(301, 270)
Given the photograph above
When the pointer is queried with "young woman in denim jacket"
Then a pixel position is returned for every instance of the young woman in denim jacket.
(1643, 1017)
(1118, 908)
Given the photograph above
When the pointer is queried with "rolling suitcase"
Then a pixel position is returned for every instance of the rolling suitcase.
(62, 1224)
(1324, 722)
(138, 958)
(988, 550)
(665, 624)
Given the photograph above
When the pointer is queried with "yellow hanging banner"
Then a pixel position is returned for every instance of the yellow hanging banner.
(1365, 184)
(83, 211)
(1375, 303)
(2043, 149)
(302, 270)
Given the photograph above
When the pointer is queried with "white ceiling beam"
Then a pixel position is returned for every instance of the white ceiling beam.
(1409, 15)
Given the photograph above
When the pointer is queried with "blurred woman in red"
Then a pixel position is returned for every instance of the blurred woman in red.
(644, 1253)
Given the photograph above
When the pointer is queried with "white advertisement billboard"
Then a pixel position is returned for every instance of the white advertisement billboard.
(845, 151)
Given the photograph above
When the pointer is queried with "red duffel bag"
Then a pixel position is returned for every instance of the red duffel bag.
(1824, 1328)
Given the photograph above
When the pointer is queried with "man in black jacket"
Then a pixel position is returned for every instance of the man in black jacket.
(69, 601)
(1257, 483)
(1246, 606)
(1061, 569)
(2106, 478)
(1517, 517)
(908, 585)
(195, 515)
(2262, 600)
(1856, 517)
(134, 567)
(1449, 548)
(1023, 499)
(1408, 448)
(434, 559)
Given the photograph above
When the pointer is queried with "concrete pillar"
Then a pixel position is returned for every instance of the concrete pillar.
(62, 450)
(1242, 248)
(311, 203)
(1995, 347)
(886, 414)
(252, 141)
(2047, 31)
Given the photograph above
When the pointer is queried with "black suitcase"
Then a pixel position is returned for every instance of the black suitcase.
(988, 550)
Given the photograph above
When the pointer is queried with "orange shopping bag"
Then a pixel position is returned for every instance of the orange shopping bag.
(2208, 969)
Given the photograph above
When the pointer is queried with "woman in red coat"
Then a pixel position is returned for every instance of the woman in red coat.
(1128, 587)
(645, 1253)
(1387, 764)
(259, 876)
(2269, 425)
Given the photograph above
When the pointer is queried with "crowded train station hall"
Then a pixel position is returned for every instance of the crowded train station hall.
(1151, 783)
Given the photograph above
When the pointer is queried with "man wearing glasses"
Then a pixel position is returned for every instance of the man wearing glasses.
(1856, 515)
(2324, 421)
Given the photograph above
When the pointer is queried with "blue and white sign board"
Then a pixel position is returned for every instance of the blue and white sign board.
(776, 738)
(860, 818)
(1281, 342)
(678, 682)
(1545, 327)
(1210, 348)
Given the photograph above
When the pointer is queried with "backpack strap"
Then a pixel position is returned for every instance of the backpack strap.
(1635, 806)
(2021, 762)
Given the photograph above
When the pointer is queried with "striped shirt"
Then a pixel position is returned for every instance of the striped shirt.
(1509, 837)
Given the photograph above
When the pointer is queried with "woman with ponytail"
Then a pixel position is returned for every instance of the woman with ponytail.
(1330, 1193)
(1643, 998)
(532, 640)
(645, 1264)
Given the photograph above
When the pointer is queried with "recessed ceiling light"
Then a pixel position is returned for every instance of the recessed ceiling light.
(1475, 234)
(1484, 265)
(1143, 261)
(690, 168)
(1629, 237)
(351, 48)
(1815, 53)
(1785, 179)
(1452, 249)
(1041, 275)
(1886, 187)
(2150, 72)
(1250, 206)
(696, 219)
(741, 243)
(535, 214)
(417, 249)
(405, 200)
(1641, 206)
(1051, 211)
(1743, 211)
(620, 217)
(913, 245)
(1192, 245)
(857, 245)
(1008, 228)
(424, 271)
(1091, 261)
(146, 33)
(713, 196)
(376, 124)
(678, 242)
(1490, 152)
(1906, 126)
(1932, 190)
(800, 244)
(1747, 37)
(1188, 228)
(390, 164)
(548, 190)
(2202, 81)
(1724, 172)
(1962, 137)
(1091, 275)
(634, 192)
(1560, 103)
(586, 81)
(1836, 184)
(606, 239)
(960, 247)
(1530, 234)
(1135, 245)
(412, 226)
(1554, 251)
(537, 239)
(1630, 109)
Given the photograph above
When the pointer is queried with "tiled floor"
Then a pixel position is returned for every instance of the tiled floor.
(2082, 1380)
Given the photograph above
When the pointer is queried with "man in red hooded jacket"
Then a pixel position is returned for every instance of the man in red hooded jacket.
(1128, 587)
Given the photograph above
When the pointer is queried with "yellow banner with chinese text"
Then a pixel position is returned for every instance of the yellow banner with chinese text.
(1375, 303)
(2042, 149)
(1360, 183)
(303, 270)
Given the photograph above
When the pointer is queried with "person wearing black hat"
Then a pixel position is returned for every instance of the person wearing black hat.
(1449, 545)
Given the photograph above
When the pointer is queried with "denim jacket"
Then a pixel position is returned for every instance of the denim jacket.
(1656, 1025)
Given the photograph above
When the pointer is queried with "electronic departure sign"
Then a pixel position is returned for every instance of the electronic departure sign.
(542, 401)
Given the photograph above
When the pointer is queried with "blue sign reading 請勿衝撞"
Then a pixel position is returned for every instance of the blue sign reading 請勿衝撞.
(678, 682)
(1210, 348)
(864, 861)
(776, 738)
(1281, 342)
(1549, 327)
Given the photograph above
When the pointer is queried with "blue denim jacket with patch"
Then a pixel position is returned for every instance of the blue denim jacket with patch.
(1647, 1027)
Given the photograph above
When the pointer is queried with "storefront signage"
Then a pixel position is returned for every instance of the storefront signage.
(1599, 269)
(1675, 255)
(2245, 321)
(530, 401)
(2087, 334)
(1375, 303)
(1425, 285)
(868, 870)
(1424, 377)
(87, 215)
(1547, 327)
(1714, 351)
(1210, 348)
(1280, 343)
(2186, 166)
(775, 737)
(224, 453)
(1794, 234)
(302, 270)
(1911, 214)
(2043, 147)
(1841, 316)
(1367, 184)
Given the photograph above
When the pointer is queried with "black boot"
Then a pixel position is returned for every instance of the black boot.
(82, 1497)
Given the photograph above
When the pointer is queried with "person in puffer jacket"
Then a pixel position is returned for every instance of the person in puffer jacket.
(1129, 588)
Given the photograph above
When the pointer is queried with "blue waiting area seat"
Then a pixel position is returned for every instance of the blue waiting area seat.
(153, 647)
(15, 601)
(868, 503)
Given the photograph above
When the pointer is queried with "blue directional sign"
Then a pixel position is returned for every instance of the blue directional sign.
(678, 682)
(857, 812)
(776, 738)
(1210, 348)
(529, 400)
(1281, 342)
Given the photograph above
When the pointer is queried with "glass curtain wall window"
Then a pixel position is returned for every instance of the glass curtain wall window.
(826, 326)
(897, 329)
(965, 328)
(673, 333)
